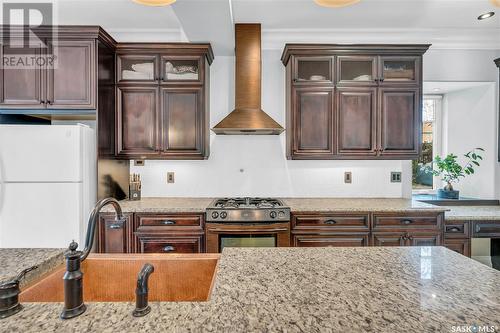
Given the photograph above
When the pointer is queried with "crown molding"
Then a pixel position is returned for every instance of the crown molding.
(458, 38)
(148, 35)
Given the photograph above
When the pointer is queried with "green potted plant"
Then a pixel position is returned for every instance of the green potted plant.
(451, 171)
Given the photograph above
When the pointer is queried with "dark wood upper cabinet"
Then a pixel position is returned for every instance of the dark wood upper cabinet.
(71, 80)
(22, 86)
(400, 70)
(137, 121)
(357, 121)
(183, 122)
(400, 124)
(313, 123)
(313, 70)
(164, 91)
(377, 105)
(357, 70)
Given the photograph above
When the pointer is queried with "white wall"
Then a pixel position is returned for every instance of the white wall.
(470, 118)
(262, 158)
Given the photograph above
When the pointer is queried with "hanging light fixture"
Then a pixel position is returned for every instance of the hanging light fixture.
(337, 3)
(154, 2)
(495, 2)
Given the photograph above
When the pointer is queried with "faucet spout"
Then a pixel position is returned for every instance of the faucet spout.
(141, 302)
(94, 216)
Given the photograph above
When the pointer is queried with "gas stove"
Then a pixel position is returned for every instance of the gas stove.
(247, 210)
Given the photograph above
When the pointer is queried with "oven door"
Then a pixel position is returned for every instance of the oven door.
(220, 235)
(485, 243)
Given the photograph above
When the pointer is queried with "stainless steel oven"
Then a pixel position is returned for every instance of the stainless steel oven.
(246, 235)
(485, 243)
(247, 222)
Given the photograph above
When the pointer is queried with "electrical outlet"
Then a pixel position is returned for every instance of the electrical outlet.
(170, 177)
(139, 162)
(348, 177)
(395, 177)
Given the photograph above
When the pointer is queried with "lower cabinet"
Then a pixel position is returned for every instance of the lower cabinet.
(461, 246)
(406, 238)
(341, 240)
(115, 237)
(169, 244)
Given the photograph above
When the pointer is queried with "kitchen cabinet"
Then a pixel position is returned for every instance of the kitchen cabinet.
(377, 109)
(313, 117)
(68, 82)
(169, 233)
(166, 86)
(114, 236)
(137, 121)
(407, 238)
(461, 246)
(324, 229)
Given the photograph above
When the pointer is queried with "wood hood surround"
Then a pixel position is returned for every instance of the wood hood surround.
(248, 117)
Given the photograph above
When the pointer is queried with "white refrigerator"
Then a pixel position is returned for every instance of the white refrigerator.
(47, 184)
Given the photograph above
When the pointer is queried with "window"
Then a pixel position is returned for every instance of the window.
(431, 139)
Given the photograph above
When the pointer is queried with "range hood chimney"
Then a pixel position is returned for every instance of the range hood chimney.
(248, 117)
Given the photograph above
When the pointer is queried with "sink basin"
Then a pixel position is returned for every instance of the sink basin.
(113, 278)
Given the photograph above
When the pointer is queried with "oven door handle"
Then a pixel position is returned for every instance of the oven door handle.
(246, 231)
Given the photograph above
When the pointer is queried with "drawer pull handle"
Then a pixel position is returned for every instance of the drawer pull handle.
(406, 222)
(168, 222)
(330, 222)
(454, 229)
(115, 226)
(168, 248)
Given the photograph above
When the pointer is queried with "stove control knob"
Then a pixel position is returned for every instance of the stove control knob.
(223, 215)
(273, 214)
(281, 214)
(215, 215)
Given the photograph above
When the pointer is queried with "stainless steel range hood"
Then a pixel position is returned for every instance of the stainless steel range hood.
(248, 117)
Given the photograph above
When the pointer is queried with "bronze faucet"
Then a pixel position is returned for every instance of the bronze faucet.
(141, 292)
(73, 278)
(9, 295)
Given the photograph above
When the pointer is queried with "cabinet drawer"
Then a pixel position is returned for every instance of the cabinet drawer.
(166, 244)
(330, 222)
(344, 240)
(169, 221)
(114, 236)
(406, 221)
(456, 229)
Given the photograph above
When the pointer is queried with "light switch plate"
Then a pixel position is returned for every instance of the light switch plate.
(348, 177)
(395, 177)
(170, 177)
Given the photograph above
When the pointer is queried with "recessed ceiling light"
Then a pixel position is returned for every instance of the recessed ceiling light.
(336, 3)
(485, 16)
(154, 2)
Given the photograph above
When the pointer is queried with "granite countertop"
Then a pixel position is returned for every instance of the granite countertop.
(13, 261)
(308, 290)
(473, 213)
(199, 205)
(164, 205)
(359, 205)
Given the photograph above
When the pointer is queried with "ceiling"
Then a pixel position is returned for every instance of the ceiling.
(442, 87)
(444, 23)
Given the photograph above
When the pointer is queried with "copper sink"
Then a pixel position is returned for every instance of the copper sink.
(113, 278)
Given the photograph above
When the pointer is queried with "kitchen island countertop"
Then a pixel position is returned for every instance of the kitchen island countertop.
(13, 261)
(476, 213)
(413, 289)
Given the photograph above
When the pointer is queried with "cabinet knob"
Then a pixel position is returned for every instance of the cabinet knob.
(406, 222)
(115, 226)
(168, 222)
(330, 222)
(168, 248)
